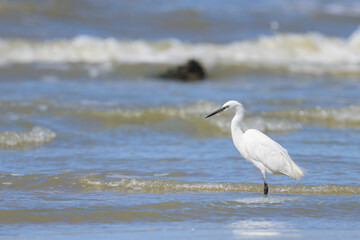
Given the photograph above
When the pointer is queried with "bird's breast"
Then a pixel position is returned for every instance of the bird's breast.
(241, 148)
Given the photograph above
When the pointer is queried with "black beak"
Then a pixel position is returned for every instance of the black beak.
(216, 112)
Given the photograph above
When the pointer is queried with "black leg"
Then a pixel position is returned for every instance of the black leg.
(266, 189)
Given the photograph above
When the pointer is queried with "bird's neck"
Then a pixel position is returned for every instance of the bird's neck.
(236, 131)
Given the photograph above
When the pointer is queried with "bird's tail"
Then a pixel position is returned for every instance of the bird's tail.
(297, 172)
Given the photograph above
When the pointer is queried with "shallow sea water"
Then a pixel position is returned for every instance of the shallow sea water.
(94, 145)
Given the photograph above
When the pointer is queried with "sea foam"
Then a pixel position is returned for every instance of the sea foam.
(36, 135)
(308, 52)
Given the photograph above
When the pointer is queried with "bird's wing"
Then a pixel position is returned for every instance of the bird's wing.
(263, 149)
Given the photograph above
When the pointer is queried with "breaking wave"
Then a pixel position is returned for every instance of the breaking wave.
(310, 52)
(191, 117)
(80, 182)
(331, 117)
(160, 185)
(37, 135)
(188, 118)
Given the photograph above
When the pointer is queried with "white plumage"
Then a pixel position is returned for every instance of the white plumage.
(262, 151)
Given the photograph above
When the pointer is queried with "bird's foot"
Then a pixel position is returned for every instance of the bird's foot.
(266, 189)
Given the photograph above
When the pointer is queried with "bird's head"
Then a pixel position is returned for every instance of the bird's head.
(233, 105)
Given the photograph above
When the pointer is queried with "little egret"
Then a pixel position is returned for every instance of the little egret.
(266, 154)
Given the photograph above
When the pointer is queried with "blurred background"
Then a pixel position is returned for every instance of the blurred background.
(102, 127)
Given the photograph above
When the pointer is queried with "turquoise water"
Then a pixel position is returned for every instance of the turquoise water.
(93, 145)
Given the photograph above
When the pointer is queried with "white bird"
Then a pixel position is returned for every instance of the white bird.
(266, 154)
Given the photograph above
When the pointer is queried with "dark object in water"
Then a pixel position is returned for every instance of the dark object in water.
(192, 70)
